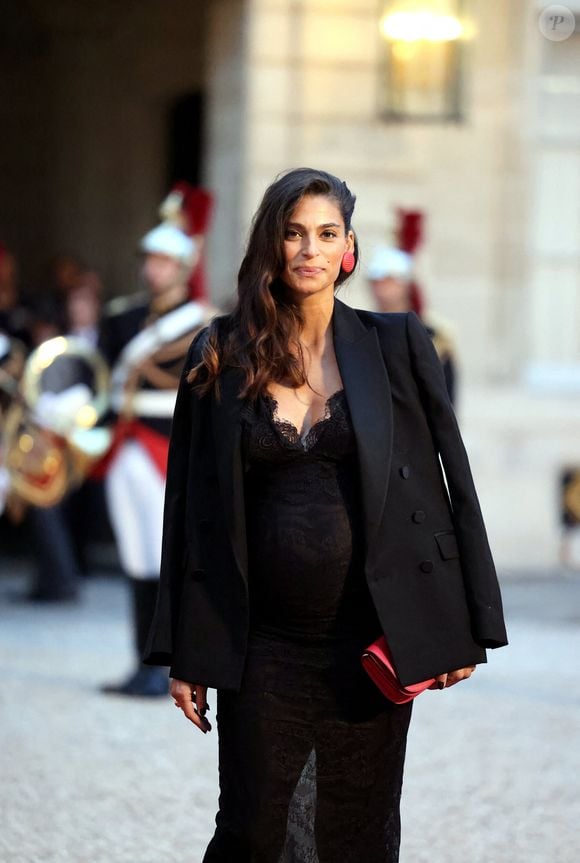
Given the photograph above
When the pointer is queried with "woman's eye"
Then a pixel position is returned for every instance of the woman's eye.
(328, 235)
(291, 234)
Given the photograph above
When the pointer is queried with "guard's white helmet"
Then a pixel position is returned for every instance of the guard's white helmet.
(388, 261)
(167, 239)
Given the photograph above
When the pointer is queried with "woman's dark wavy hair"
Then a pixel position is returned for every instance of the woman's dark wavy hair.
(260, 336)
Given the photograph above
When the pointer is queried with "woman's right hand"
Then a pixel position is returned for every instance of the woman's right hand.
(192, 699)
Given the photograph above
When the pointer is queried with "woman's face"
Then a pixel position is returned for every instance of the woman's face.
(314, 243)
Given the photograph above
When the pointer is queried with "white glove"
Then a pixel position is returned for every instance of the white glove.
(4, 346)
(4, 487)
(58, 411)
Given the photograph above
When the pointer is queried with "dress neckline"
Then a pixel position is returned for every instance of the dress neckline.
(288, 426)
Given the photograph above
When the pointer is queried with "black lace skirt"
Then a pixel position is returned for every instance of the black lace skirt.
(311, 759)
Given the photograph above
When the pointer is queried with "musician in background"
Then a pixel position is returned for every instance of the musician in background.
(83, 307)
(55, 575)
(145, 339)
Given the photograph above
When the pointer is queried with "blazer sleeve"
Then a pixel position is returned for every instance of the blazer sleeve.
(185, 431)
(481, 584)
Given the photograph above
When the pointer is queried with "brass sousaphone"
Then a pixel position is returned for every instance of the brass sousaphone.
(50, 438)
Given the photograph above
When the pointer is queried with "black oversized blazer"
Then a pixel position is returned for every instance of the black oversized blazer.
(428, 567)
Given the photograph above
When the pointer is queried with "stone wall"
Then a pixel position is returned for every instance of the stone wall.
(313, 96)
(87, 92)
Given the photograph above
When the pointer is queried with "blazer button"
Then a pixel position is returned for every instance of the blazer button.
(198, 574)
(419, 516)
(405, 471)
(426, 566)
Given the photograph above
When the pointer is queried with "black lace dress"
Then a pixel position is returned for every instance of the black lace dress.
(311, 754)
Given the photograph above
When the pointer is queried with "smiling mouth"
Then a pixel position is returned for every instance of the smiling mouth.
(308, 271)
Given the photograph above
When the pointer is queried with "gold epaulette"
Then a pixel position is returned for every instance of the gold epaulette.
(571, 495)
(442, 335)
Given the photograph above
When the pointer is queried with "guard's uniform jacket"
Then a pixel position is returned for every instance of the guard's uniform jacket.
(146, 353)
(444, 344)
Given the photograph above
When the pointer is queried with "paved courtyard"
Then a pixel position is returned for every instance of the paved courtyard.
(493, 771)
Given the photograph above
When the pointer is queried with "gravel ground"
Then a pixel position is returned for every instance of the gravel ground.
(493, 768)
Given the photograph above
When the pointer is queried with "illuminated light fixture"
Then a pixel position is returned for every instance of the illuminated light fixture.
(423, 50)
(414, 26)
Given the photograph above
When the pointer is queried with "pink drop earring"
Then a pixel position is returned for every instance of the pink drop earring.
(348, 262)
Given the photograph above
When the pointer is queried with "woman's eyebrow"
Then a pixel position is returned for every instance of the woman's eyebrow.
(325, 225)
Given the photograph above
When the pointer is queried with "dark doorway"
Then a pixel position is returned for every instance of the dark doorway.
(185, 150)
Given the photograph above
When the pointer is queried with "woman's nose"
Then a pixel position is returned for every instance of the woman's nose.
(310, 246)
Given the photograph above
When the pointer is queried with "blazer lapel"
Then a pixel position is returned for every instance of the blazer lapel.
(227, 436)
(368, 394)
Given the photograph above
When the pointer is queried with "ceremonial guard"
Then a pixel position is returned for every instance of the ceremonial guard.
(145, 339)
(191, 208)
(395, 289)
(570, 516)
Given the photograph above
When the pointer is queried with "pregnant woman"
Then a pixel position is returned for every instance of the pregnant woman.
(306, 515)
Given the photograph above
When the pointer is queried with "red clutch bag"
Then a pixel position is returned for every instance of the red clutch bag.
(378, 663)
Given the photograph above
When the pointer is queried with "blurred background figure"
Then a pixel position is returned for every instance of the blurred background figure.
(59, 532)
(12, 360)
(83, 305)
(394, 288)
(85, 509)
(570, 517)
(146, 342)
(14, 329)
(62, 274)
(15, 341)
(14, 316)
(56, 571)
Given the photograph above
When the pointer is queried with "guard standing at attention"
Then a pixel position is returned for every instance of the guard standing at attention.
(394, 289)
(391, 275)
(145, 339)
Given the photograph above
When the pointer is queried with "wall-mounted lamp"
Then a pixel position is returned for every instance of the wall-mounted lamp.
(423, 47)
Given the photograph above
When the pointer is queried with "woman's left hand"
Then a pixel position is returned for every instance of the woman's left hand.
(444, 681)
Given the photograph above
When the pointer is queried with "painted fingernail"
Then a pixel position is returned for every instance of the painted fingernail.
(440, 685)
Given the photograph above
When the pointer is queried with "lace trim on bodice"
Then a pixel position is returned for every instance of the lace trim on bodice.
(290, 432)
